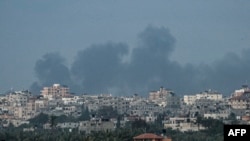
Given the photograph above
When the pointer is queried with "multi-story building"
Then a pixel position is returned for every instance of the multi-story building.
(72, 100)
(55, 91)
(31, 109)
(165, 97)
(18, 98)
(18, 105)
(122, 105)
(144, 108)
(244, 90)
(93, 103)
(189, 99)
(162, 93)
(20, 113)
(3, 105)
(71, 110)
(209, 94)
(240, 99)
(41, 105)
(239, 102)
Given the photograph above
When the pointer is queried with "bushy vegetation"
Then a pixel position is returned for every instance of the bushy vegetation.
(214, 132)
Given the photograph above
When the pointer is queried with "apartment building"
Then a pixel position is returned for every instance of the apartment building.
(18, 105)
(41, 105)
(189, 99)
(72, 100)
(30, 108)
(160, 94)
(93, 103)
(18, 98)
(165, 98)
(55, 91)
(244, 90)
(239, 102)
(144, 108)
(208, 94)
(240, 98)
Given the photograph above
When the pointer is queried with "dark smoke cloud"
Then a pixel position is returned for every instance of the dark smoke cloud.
(229, 73)
(149, 64)
(50, 70)
(101, 69)
(157, 41)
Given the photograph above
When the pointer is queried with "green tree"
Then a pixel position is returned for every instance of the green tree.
(85, 115)
(232, 118)
(39, 120)
(53, 121)
(139, 124)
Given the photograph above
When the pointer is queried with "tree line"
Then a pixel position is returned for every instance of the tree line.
(214, 132)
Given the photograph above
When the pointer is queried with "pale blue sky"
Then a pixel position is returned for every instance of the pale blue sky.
(205, 31)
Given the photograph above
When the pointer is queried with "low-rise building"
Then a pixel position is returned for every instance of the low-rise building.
(183, 124)
(95, 125)
(70, 125)
(222, 115)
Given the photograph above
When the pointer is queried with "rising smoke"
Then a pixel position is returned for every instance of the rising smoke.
(100, 69)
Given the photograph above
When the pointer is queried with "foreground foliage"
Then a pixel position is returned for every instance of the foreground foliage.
(214, 132)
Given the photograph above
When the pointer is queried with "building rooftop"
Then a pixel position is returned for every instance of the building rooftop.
(148, 136)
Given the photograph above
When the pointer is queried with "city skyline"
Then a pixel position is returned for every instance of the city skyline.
(125, 47)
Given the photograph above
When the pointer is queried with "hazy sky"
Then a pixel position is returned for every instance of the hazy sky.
(131, 46)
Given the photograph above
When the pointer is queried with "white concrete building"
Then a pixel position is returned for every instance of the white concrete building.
(211, 95)
(183, 124)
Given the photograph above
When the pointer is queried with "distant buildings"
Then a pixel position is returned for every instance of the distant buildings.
(175, 112)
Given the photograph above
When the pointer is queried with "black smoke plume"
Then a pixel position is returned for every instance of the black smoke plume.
(101, 68)
(51, 70)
